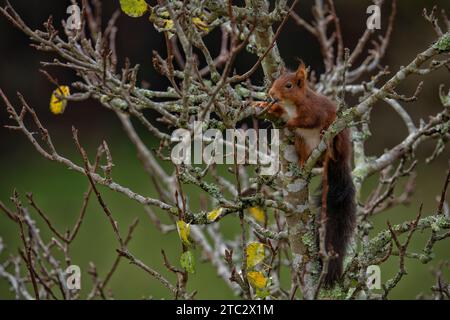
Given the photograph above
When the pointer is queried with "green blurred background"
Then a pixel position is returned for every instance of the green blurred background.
(59, 191)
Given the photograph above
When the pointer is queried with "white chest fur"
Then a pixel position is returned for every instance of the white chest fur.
(310, 136)
(291, 111)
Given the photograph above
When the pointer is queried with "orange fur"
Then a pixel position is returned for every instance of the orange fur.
(308, 114)
(312, 110)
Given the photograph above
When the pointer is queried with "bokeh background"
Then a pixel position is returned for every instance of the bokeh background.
(59, 191)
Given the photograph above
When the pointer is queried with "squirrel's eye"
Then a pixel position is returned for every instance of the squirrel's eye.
(288, 85)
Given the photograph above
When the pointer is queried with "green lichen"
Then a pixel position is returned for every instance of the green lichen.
(116, 103)
(439, 222)
(376, 246)
(308, 240)
(198, 217)
(174, 211)
(350, 292)
(246, 93)
(360, 172)
(336, 293)
(443, 44)
(295, 169)
(446, 126)
(212, 189)
(216, 124)
(445, 100)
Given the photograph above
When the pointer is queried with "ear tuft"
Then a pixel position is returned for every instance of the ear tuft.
(301, 73)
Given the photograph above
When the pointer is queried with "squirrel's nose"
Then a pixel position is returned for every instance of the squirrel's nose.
(271, 97)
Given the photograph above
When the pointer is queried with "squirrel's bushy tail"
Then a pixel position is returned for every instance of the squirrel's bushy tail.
(340, 207)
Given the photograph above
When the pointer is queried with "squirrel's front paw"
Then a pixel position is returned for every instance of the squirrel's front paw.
(260, 104)
(322, 132)
(273, 109)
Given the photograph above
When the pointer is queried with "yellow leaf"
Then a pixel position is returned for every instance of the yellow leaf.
(134, 8)
(255, 254)
(164, 14)
(168, 24)
(58, 104)
(213, 215)
(199, 23)
(257, 279)
(258, 214)
(184, 229)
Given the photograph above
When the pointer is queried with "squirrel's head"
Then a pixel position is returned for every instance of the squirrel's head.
(289, 85)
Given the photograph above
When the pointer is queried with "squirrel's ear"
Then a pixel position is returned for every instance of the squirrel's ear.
(301, 74)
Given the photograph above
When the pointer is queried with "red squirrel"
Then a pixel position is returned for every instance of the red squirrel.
(309, 114)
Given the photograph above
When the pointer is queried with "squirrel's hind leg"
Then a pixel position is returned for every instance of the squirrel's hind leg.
(302, 150)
